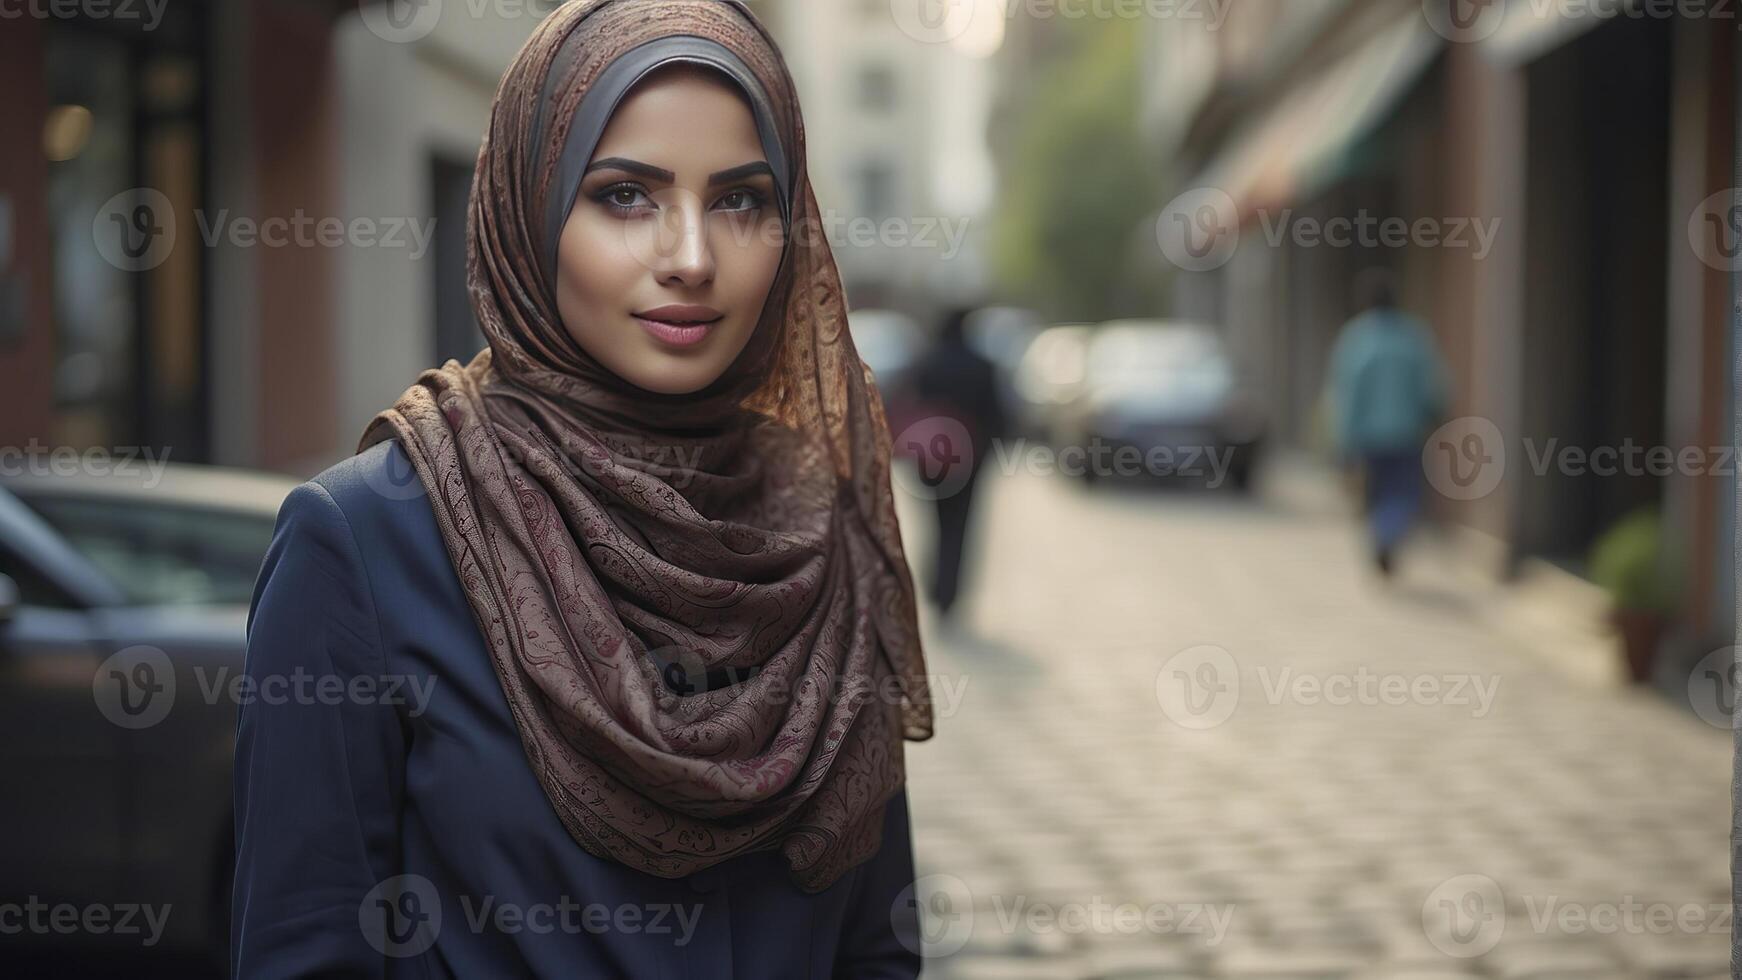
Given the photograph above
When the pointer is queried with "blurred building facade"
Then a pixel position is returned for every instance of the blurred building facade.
(223, 110)
(895, 117)
(229, 350)
(1597, 150)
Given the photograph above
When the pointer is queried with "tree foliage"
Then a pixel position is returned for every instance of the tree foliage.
(1080, 188)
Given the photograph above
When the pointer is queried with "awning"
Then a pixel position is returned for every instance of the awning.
(1303, 143)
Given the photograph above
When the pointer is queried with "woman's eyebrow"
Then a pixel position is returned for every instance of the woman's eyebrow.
(652, 172)
(740, 172)
(634, 167)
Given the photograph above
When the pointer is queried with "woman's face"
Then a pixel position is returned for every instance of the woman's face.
(667, 258)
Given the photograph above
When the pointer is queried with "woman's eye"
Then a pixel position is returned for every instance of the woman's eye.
(624, 198)
(741, 199)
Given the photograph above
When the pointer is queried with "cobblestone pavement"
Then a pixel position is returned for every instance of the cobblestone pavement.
(1181, 735)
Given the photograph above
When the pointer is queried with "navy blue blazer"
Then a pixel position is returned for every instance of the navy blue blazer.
(387, 820)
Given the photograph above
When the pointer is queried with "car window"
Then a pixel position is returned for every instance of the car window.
(34, 589)
(157, 554)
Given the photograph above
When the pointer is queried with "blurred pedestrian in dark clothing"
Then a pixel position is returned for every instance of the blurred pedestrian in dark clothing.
(1387, 391)
(957, 383)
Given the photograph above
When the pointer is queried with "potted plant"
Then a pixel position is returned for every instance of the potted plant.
(1628, 562)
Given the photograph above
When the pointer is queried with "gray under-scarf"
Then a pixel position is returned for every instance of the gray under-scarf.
(608, 91)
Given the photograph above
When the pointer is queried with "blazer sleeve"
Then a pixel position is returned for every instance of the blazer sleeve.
(882, 941)
(318, 774)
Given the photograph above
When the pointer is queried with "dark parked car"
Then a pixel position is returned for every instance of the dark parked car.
(1170, 394)
(123, 604)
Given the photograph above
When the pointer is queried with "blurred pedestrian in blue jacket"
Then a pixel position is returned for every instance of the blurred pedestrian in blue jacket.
(1387, 392)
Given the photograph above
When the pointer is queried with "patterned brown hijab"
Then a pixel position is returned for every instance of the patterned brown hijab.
(698, 606)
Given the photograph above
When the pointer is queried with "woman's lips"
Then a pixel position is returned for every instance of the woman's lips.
(676, 334)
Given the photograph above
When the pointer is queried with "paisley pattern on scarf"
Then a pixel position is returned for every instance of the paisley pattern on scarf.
(698, 606)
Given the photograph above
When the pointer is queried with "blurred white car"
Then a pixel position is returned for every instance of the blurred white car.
(1050, 379)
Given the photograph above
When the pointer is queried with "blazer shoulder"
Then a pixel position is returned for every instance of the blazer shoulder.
(378, 495)
(376, 485)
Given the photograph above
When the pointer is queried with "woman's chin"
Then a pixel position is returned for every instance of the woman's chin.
(675, 376)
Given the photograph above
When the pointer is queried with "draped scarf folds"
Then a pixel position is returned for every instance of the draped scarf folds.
(698, 606)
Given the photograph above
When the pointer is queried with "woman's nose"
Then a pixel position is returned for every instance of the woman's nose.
(685, 255)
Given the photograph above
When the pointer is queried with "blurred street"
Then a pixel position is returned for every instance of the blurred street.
(1437, 678)
(1503, 822)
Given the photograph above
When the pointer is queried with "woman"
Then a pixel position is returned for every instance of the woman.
(607, 637)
